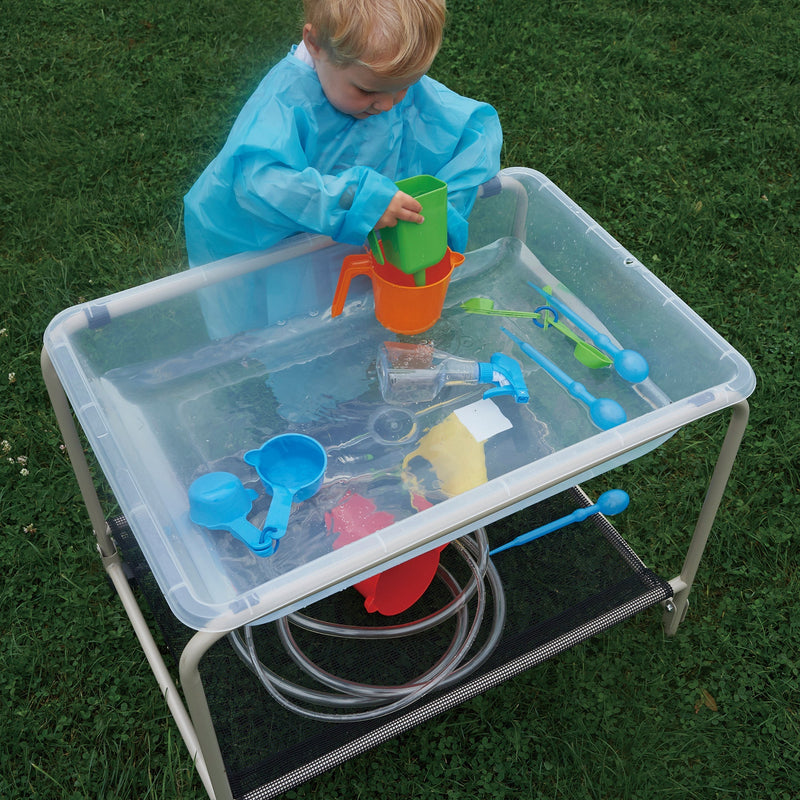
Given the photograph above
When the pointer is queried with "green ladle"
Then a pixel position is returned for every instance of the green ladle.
(587, 354)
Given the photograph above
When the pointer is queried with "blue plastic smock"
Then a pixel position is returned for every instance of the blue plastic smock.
(293, 163)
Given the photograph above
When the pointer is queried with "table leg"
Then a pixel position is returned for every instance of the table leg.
(112, 563)
(675, 608)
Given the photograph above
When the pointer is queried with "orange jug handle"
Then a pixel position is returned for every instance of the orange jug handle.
(359, 264)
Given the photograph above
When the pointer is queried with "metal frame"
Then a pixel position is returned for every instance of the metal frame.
(192, 714)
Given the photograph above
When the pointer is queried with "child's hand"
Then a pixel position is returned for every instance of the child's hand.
(402, 207)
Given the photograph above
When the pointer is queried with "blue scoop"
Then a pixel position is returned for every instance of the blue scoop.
(219, 501)
(291, 467)
(611, 502)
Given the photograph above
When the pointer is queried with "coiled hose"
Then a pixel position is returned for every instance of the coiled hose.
(379, 700)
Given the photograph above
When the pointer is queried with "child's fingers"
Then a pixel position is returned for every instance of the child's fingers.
(402, 208)
(409, 202)
(411, 216)
(411, 208)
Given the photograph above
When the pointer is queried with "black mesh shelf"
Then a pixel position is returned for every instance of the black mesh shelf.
(560, 590)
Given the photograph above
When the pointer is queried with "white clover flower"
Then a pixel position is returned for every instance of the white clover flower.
(12, 377)
(5, 446)
(23, 472)
(23, 460)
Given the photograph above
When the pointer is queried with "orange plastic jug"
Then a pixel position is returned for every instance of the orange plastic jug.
(400, 305)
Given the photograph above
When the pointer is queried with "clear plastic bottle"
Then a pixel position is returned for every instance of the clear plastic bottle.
(416, 373)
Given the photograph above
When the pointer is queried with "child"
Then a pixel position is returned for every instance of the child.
(320, 143)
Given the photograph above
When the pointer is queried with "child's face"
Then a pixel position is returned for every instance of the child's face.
(358, 91)
(355, 89)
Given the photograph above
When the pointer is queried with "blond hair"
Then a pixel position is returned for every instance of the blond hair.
(394, 38)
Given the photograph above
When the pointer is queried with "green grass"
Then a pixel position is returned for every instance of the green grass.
(676, 126)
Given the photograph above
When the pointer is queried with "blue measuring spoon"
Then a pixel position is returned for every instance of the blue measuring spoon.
(604, 412)
(629, 364)
(291, 467)
(219, 501)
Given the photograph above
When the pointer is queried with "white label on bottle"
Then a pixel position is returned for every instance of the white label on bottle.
(483, 419)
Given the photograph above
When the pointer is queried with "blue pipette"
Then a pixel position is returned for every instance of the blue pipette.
(611, 502)
(629, 364)
(604, 412)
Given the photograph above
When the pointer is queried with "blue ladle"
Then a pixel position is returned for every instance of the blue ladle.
(611, 502)
(629, 364)
(604, 412)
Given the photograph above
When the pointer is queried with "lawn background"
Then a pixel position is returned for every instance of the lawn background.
(675, 126)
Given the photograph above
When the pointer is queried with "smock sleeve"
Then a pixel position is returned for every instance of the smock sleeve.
(274, 182)
(463, 144)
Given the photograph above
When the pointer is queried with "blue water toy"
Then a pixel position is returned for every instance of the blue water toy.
(543, 317)
(506, 375)
(291, 467)
(604, 412)
(629, 364)
(219, 501)
(611, 502)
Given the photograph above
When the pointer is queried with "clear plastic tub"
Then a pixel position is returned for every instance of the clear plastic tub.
(162, 402)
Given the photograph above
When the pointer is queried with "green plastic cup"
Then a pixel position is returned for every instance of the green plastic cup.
(413, 247)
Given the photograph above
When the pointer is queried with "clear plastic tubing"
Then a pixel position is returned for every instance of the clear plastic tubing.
(246, 651)
(382, 700)
(460, 598)
(404, 695)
